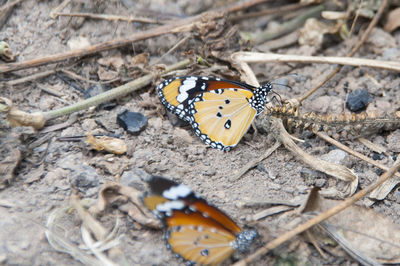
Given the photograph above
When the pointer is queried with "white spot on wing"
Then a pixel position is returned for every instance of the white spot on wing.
(188, 84)
(176, 192)
(170, 205)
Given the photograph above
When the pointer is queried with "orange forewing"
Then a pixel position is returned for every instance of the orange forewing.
(216, 215)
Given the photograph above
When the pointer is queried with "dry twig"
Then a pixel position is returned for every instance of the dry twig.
(110, 17)
(319, 218)
(181, 25)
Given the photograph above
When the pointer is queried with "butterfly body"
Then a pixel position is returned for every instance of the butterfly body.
(220, 111)
(196, 230)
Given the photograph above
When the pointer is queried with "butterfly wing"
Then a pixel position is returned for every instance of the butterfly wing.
(222, 117)
(177, 93)
(196, 230)
(203, 243)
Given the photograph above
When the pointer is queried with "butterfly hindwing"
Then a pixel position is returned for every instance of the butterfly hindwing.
(222, 117)
(204, 245)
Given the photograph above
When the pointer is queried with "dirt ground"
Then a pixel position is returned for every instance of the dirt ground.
(52, 170)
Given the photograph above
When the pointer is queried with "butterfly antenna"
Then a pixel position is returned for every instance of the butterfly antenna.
(280, 84)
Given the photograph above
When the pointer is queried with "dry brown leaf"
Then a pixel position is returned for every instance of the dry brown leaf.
(393, 20)
(312, 33)
(127, 200)
(113, 61)
(105, 74)
(366, 231)
(140, 60)
(109, 144)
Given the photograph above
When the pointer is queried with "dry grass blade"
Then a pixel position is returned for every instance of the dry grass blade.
(251, 57)
(90, 243)
(100, 233)
(60, 243)
(321, 217)
(339, 171)
(381, 191)
(254, 163)
(109, 17)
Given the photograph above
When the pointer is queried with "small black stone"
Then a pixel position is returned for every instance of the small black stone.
(132, 122)
(358, 100)
(377, 156)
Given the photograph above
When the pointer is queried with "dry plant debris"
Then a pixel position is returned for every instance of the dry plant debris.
(127, 47)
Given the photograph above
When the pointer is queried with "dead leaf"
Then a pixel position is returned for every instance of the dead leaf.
(105, 74)
(367, 231)
(313, 32)
(113, 61)
(109, 144)
(140, 60)
(393, 20)
(128, 200)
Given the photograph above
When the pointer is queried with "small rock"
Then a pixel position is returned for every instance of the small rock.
(131, 180)
(358, 100)
(320, 182)
(309, 176)
(336, 156)
(85, 178)
(132, 122)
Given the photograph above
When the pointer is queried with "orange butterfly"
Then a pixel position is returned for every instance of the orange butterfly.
(196, 230)
(220, 111)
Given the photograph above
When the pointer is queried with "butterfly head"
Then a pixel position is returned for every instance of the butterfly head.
(259, 98)
(244, 239)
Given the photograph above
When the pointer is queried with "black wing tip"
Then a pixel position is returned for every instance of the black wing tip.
(158, 184)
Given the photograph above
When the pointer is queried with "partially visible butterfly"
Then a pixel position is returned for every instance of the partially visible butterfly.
(220, 111)
(195, 230)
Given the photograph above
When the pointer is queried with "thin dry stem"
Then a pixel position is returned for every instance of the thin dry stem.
(321, 217)
(110, 17)
(250, 57)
